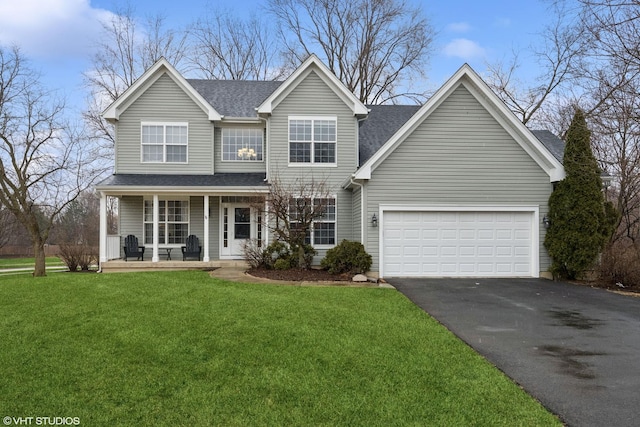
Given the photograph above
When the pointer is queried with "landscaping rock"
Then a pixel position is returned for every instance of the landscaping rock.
(359, 278)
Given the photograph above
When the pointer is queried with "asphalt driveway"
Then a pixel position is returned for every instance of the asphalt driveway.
(576, 349)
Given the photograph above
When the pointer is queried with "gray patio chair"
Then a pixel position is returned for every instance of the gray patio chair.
(131, 248)
(192, 248)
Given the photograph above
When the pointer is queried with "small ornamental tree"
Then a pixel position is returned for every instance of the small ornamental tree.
(292, 208)
(580, 224)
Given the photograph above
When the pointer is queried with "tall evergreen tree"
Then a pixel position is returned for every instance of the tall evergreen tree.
(579, 225)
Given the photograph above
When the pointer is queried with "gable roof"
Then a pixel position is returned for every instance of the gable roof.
(157, 70)
(383, 121)
(235, 98)
(498, 110)
(313, 63)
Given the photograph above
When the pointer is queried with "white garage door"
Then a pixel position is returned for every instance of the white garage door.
(457, 244)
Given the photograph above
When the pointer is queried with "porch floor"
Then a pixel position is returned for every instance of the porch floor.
(119, 265)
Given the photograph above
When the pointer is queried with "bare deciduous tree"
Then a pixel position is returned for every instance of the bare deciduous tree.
(227, 47)
(126, 49)
(560, 60)
(376, 48)
(293, 208)
(43, 161)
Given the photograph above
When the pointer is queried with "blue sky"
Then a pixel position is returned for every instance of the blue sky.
(58, 35)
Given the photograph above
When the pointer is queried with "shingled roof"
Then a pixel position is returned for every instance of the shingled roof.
(157, 180)
(383, 121)
(235, 98)
(554, 144)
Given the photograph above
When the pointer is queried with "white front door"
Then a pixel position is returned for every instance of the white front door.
(237, 229)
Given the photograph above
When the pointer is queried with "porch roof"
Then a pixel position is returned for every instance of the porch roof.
(223, 182)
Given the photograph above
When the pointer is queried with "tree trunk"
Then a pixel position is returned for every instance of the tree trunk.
(39, 255)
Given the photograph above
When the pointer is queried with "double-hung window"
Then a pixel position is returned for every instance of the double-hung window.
(173, 224)
(320, 213)
(312, 140)
(242, 145)
(164, 142)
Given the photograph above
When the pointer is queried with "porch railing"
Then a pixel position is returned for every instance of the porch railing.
(113, 247)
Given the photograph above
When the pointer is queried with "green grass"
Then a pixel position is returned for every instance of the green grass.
(180, 348)
(27, 262)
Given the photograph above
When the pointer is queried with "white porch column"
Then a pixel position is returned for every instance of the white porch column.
(205, 256)
(156, 228)
(103, 229)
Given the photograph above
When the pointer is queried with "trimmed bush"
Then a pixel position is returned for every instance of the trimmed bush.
(282, 264)
(347, 257)
(304, 259)
(275, 251)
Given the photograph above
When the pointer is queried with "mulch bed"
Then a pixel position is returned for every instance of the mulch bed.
(299, 275)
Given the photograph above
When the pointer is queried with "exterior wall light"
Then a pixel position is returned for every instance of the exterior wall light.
(546, 221)
(374, 221)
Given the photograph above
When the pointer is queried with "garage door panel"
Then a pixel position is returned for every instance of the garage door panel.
(462, 243)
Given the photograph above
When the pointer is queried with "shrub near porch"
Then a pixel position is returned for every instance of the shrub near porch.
(180, 348)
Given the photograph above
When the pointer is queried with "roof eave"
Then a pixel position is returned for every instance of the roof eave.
(189, 190)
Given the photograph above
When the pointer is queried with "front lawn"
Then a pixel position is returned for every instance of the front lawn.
(27, 262)
(180, 348)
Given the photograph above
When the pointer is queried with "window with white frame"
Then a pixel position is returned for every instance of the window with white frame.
(312, 140)
(323, 227)
(173, 223)
(242, 145)
(164, 142)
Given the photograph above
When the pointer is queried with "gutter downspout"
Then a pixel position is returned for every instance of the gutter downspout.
(362, 210)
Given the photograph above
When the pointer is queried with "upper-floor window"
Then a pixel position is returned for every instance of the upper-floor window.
(312, 140)
(242, 145)
(164, 142)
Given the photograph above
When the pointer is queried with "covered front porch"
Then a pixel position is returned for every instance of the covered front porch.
(223, 217)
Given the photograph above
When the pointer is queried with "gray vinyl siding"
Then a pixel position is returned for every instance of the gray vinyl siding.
(196, 218)
(130, 218)
(164, 101)
(312, 97)
(242, 167)
(459, 155)
(357, 214)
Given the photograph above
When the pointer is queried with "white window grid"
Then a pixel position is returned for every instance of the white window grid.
(164, 142)
(313, 140)
(323, 230)
(242, 145)
(173, 221)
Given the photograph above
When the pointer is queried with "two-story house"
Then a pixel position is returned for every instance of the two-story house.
(455, 187)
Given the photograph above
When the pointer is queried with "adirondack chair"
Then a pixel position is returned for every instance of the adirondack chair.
(192, 248)
(131, 248)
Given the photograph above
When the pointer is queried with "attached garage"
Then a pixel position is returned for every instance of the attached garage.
(472, 242)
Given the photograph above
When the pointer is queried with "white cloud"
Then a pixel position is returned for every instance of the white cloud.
(459, 27)
(464, 48)
(51, 28)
